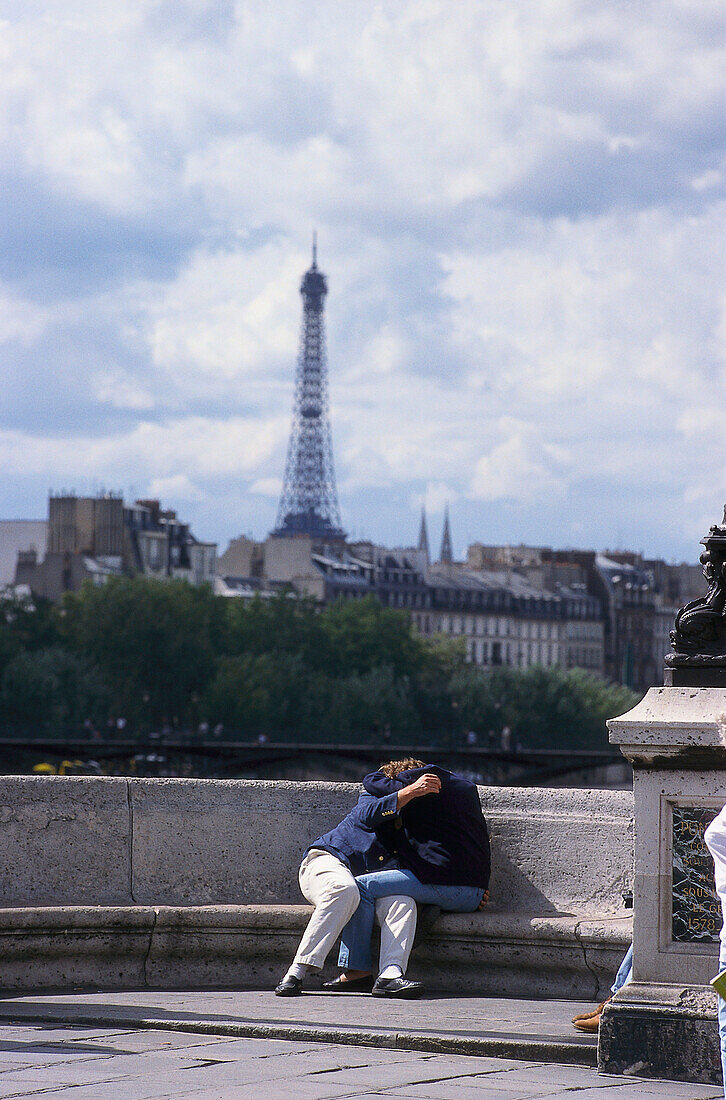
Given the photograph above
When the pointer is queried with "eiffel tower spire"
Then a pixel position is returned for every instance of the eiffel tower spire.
(309, 500)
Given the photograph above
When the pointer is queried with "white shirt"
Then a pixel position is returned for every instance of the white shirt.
(715, 837)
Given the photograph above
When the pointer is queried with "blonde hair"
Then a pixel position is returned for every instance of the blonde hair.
(393, 767)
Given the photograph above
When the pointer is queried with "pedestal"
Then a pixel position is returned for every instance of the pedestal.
(663, 1024)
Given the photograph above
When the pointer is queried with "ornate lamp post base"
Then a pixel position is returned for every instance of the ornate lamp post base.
(663, 1024)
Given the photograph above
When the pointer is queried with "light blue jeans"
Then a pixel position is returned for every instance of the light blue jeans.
(624, 974)
(355, 941)
(722, 1015)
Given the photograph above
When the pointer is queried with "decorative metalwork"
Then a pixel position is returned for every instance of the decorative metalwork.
(309, 500)
(700, 627)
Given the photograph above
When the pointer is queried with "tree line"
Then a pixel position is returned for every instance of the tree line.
(166, 653)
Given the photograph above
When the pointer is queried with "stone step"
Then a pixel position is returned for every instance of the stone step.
(535, 1030)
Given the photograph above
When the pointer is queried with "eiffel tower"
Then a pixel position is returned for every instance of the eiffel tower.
(309, 500)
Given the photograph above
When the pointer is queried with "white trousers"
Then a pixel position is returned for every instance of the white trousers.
(328, 885)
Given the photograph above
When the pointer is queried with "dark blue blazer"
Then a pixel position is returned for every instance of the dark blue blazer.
(443, 837)
(364, 839)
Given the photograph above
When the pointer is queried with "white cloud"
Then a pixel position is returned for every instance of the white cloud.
(435, 498)
(267, 487)
(20, 320)
(522, 214)
(711, 178)
(230, 316)
(177, 488)
(521, 466)
(122, 393)
(206, 447)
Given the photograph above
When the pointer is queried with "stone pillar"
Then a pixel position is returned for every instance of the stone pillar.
(663, 1024)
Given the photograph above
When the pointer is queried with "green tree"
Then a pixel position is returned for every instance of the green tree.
(544, 707)
(363, 635)
(51, 690)
(258, 693)
(153, 642)
(27, 623)
(281, 624)
(362, 703)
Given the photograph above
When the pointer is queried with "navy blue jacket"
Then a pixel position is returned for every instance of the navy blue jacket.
(443, 837)
(364, 839)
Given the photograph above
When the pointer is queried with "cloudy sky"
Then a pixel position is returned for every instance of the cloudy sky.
(521, 213)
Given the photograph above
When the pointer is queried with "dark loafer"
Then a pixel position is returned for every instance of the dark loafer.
(352, 985)
(289, 987)
(397, 987)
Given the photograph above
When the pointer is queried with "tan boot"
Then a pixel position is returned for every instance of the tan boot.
(590, 1023)
(582, 1016)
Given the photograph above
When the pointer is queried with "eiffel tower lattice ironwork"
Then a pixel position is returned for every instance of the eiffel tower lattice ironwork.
(309, 500)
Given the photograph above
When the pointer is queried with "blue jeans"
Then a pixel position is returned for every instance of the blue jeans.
(722, 1015)
(355, 941)
(624, 973)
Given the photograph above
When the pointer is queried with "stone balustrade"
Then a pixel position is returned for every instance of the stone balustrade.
(185, 882)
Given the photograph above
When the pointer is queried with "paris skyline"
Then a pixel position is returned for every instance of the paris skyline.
(521, 217)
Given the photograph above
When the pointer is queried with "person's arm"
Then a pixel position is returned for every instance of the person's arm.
(379, 784)
(716, 838)
(372, 811)
(425, 784)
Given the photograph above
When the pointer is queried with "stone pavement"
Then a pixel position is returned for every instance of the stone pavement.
(438, 1022)
(224, 1044)
(118, 1064)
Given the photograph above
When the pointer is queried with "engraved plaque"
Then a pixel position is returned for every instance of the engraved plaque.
(696, 907)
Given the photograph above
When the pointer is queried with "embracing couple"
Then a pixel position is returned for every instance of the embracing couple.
(417, 834)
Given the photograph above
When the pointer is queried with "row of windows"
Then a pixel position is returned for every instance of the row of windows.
(445, 599)
(513, 656)
(521, 613)
(584, 630)
(519, 656)
(495, 627)
(584, 657)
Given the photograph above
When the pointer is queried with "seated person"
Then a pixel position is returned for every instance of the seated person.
(364, 839)
(441, 844)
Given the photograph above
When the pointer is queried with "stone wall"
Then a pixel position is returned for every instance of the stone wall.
(166, 882)
(76, 840)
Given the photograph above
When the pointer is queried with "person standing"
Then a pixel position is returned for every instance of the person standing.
(590, 1021)
(715, 838)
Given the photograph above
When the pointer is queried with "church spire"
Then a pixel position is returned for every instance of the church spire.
(446, 556)
(423, 536)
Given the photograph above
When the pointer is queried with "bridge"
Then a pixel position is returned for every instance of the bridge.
(227, 754)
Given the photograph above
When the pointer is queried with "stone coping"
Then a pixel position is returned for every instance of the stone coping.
(169, 946)
(78, 840)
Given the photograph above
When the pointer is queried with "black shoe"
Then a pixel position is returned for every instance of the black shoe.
(289, 987)
(352, 985)
(396, 987)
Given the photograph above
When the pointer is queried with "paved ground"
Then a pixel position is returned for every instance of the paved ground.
(442, 1024)
(220, 1045)
(117, 1064)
